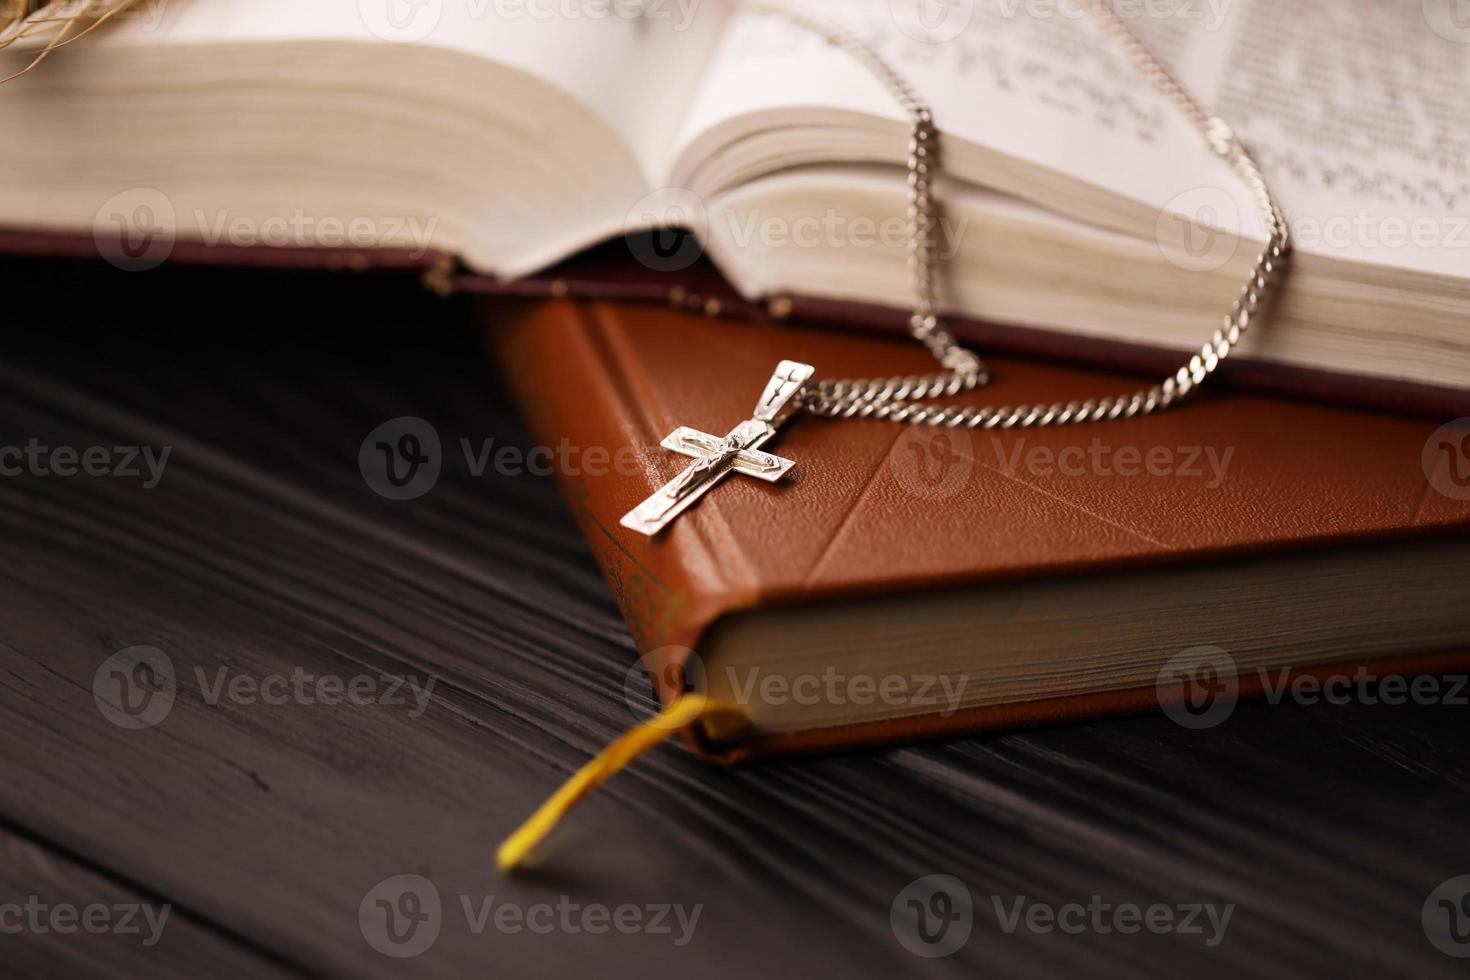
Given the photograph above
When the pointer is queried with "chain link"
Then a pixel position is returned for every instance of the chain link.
(903, 399)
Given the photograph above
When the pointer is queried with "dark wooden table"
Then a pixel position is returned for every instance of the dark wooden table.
(267, 827)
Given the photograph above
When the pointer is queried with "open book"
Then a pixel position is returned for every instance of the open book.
(512, 133)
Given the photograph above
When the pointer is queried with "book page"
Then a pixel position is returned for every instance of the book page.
(634, 64)
(1356, 111)
(1354, 107)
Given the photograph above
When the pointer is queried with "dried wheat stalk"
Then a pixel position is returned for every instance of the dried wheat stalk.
(45, 25)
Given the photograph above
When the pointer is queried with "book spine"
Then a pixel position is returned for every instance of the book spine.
(573, 392)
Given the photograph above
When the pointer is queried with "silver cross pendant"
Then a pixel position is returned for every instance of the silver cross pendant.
(715, 458)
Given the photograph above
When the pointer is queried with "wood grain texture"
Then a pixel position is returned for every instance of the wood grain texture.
(262, 552)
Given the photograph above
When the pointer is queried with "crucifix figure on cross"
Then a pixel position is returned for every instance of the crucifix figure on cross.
(715, 457)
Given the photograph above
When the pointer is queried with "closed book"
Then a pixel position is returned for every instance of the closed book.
(904, 582)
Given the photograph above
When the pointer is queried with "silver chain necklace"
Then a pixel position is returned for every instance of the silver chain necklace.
(792, 389)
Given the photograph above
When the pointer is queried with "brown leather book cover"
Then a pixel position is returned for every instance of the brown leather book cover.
(873, 508)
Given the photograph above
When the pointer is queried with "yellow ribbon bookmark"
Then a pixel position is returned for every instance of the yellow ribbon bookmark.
(627, 747)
